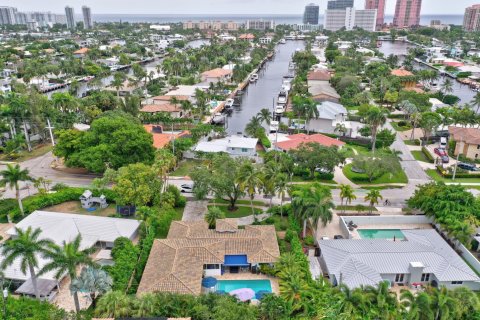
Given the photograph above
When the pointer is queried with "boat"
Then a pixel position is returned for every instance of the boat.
(274, 125)
(283, 41)
(282, 98)
(280, 109)
(253, 78)
(291, 66)
(229, 104)
(218, 118)
(286, 85)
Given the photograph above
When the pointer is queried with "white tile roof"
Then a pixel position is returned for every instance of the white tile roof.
(361, 262)
(222, 145)
(330, 110)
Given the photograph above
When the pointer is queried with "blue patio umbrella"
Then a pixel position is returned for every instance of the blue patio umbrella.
(261, 293)
(209, 282)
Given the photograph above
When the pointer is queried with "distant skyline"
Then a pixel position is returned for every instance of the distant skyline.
(441, 7)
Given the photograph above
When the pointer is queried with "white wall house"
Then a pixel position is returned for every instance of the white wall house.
(237, 146)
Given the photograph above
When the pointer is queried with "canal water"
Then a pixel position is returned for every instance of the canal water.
(264, 92)
(401, 48)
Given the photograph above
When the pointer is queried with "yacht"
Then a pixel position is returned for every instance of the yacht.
(229, 104)
(280, 109)
(218, 118)
(253, 78)
(282, 97)
(283, 41)
(274, 125)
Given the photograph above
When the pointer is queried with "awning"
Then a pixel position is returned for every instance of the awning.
(236, 260)
(44, 286)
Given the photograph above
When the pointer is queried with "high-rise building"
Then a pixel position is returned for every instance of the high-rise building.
(339, 4)
(70, 13)
(380, 6)
(310, 16)
(350, 18)
(471, 19)
(87, 17)
(407, 13)
(260, 24)
(8, 15)
(21, 17)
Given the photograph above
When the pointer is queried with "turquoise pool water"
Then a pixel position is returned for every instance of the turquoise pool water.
(381, 234)
(255, 285)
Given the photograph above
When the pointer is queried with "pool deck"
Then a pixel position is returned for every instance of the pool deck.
(413, 226)
(251, 276)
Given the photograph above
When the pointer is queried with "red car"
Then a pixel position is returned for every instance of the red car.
(442, 154)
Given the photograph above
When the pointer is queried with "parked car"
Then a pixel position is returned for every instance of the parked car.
(443, 142)
(468, 166)
(442, 154)
(186, 188)
(337, 236)
(325, 238)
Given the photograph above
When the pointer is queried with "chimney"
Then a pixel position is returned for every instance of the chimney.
(416, 271)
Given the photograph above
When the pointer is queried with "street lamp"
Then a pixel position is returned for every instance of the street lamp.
(5, 296)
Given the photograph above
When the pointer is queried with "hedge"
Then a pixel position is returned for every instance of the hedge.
(428, 155)
(125, 256)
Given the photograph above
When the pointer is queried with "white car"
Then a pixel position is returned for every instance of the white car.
(325, 238)
(186, 188)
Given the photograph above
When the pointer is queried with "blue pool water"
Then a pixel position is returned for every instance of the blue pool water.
(390, 234)
(255, 285)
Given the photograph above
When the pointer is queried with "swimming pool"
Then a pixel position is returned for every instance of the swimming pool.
(391, 234)
(255, 285)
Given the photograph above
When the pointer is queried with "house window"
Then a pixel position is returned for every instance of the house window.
(425, 277)
(457, 282)
(244, 149)
(399, 277)
(211, 266)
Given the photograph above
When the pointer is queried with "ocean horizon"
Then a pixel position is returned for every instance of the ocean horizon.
(241, 18)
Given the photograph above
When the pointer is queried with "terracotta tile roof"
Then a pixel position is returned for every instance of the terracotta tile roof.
(81, 51)
(318, 76)
(294, 141)
(467, 135)
(216, 73)
(247, 36)
(169, 98)
(160, 140)
(166, 107)
(401, 73)
(176, 264)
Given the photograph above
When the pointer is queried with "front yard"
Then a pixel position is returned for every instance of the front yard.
(361, 178)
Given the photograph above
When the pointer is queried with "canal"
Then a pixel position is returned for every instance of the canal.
(262, 93)
(401, 48)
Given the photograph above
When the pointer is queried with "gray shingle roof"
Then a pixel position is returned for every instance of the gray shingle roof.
(329, 110)
(361, 262)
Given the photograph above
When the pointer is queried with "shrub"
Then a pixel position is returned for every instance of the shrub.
(266, 269)
(180, 200)
(309, 241)
(325, 176)
(265, 142)
(125, 256)
(428, 155)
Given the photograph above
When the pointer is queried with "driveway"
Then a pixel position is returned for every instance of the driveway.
(195, 210)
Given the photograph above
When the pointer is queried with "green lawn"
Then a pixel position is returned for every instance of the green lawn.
(359, 178)
(420, 156)
(352, 208)
(179, 215)
(399, 128)
(25, 155)
(185, 168)
(241, 211)
(432, 173)
(245, 202)
(412, 142)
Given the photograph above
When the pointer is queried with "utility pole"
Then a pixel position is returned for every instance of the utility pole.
(50, 130)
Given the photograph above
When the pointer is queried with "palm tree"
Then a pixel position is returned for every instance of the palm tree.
(292, 287)
(114, 304)
(375, 118)
(26, 247)
(66, 259)
(443, 304)
(11, 177)
(281, 187)
(93, 281)
(476, 101)
(353, 302)
(310, 112)
(447, 87)
(417, 306)
(146, 305)
(249, 180)
(118, 80)
(385, 301)
(346, 192)
(265, 115)
(373, 196)
(212, 215)
(254, 126)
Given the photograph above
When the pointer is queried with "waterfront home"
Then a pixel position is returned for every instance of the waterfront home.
(193, 251)
(164, 104)
(217, 75)
(329, 115)
(467, 141)
(406, 77)
(162, 137)
(318, 77)
(247, 37)
(100, 232)
(323, 92)
(81, 53)
(422, 257)
(265, 40)
(293, 142)
(236, 146)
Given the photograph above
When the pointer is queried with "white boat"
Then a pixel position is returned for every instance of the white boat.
(280, 109)
(282, 98)
(283, 41)
(286, 86)
(253, 78)
(229, 104)
(218, 118)
(274, 125)
(291, 66)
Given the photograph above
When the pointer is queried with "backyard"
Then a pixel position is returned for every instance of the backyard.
(76, 208)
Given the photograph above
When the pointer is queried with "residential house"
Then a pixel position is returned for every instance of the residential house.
(293, 142)
(467, 141)
(265, 40)
(247, 37)
(164, 104)
(5, 86)
(237, 146)
(192, 250)
(406, 77)
(81, 53)
(423, 257)
(97, 231)
(323, 92)
(329, 115)
(318, 77)
(161, 137)
(217, 75)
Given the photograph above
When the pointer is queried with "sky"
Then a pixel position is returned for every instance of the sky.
(216, 6)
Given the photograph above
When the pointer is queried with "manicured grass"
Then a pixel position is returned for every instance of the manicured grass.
(241, 211)
(399, 128)
(321, 181)
(432, 173)
(185, 168)
(361, 178)
(25, 155)
(245, 202)
(351, 208)
(412, 142)
(179, 215)
(382, 187)
(420, 156)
